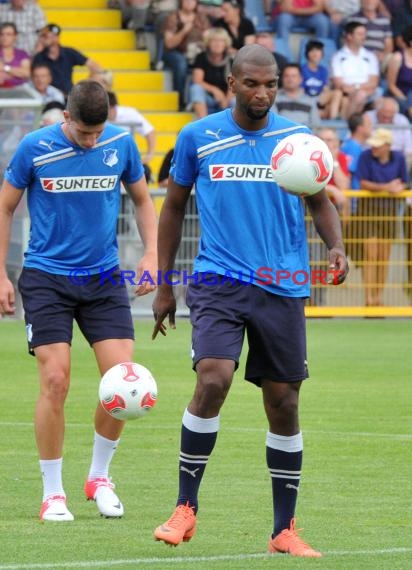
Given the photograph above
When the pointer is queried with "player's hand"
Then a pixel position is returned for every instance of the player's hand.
(7, 297)
(146, 276)
(338, 266)
(164, 305)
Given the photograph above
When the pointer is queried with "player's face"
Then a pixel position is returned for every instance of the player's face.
(85, 136)
(255, 89)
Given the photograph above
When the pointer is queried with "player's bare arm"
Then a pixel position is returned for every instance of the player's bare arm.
(170, 233)
(9, 200)
(146, 221)
(328, 226)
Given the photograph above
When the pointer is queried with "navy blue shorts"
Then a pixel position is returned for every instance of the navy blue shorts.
(275, 327)
(52, 302)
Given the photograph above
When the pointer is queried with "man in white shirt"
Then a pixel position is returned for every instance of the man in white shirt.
(355, 71)
(130, 118)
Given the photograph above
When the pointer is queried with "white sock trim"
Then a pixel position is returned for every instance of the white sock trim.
(286, 443)
(200, 425)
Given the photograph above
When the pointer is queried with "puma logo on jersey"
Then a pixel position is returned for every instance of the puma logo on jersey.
(213, 133)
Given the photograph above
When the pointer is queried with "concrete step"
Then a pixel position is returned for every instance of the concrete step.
(120, 59)
(86, 18)
(130, 80)
(99, 39)
(149, 100)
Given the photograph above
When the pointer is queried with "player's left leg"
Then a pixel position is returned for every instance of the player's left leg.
(106, 322)
(277, 362)
(99, 486)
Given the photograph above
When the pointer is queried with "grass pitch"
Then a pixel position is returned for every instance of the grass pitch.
(355, 497)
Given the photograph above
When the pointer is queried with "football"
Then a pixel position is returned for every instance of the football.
(128, 391)
(302, 164)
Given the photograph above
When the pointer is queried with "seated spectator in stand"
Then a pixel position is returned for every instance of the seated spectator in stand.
(51, 116)
(41, 79)
(340, 180)
(130, 118)
(338, 12)
(355, 71)
(379, 38)
(240, 29)
(399, 74)
(60, 59)
(209, 91)
(103, 76)
(14, 62)
(291, 100)
(267, 40)
(212, 9)
(163, 176)
(307, 14)
(400, 21)
(386, 112)
(183, 40)
(316, 82)
(360, 129)
(28, 17)
(380, 169)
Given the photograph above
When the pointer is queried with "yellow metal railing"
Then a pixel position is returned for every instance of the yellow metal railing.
(378, 239)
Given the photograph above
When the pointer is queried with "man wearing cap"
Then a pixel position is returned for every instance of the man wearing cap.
(60, 59)
(380, 169)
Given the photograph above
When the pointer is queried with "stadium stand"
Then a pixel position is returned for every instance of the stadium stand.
(96, 30)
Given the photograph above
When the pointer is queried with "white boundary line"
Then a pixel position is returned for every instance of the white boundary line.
(152, 427)
(189, 559)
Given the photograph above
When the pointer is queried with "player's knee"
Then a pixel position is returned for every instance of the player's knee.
(55, 385)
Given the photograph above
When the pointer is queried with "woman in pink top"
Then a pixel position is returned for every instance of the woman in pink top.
(306, 14)
(14, 62)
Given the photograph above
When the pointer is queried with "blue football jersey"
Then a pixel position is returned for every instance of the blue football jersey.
(73, 196)
(250, 229)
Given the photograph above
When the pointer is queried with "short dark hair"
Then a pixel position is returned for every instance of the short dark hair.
(407, 35)
(112, 99)
(313, 44)
(88, 102)
(354, 121)
(351, 26)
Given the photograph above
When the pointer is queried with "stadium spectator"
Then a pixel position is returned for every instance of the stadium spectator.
(340, 180)
(267, 40)
(163, 175)
(291, 100)
(28, 17)
(183, 40)
(360, 129)
(103, 76)
(245, 220)
(386, 112)
(72, 228)
(60, 59)
(399, 74)
(400, 21)
(209, 91)
(306, 14)
(379, 38)
(355, 71)
(41, 79)
(316, 82)
(241, 29)
(14, 62)
(380, 169)
(338, 12)
(130, 118)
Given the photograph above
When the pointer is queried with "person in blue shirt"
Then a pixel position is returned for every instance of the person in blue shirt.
(380, 169)
(252, 249)
(72, 173)
(315, 82)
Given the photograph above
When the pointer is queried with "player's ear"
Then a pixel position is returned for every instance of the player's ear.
(231, 82)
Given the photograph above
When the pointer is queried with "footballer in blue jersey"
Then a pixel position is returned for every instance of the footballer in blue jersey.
(247, 223)
(72, 175)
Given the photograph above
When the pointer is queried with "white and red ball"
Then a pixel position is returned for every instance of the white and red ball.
(128, 391)
(302, 164)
